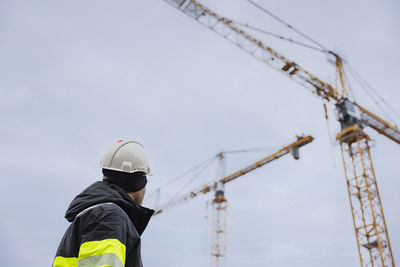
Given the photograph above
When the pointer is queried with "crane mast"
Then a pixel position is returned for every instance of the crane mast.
(369, 222)
(218, 214)
(218, 231)
(370, 227)
(372, 236)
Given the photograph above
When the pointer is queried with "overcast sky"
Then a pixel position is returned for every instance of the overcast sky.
(77, 75)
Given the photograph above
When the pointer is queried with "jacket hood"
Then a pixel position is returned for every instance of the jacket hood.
(102, 192)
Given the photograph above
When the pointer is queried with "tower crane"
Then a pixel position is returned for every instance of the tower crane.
(371, 233)
(219, 202)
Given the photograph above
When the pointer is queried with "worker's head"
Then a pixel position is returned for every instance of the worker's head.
(126, 164)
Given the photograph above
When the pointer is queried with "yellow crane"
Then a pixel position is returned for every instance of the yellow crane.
(372, 237)
(219, 202)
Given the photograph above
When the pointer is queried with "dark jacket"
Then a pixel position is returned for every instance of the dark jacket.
(105, 229)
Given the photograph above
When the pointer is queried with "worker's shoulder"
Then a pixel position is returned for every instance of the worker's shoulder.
(105, 212)
(105, 221)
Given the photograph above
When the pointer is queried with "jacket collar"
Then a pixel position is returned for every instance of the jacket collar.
(103, 192)
(139, 215)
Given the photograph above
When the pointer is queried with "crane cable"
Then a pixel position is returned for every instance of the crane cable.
(279, 36)
(363, 83)
(203, 164)
(367, 87)
(289, 26)
(249, 150)
(182, 175)
(178, 193)
(208, 163)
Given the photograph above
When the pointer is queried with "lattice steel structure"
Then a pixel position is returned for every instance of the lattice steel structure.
(354, 114)
(220, 204)
(218, 231)
(292, 149)
(369, 222)
(260, 50)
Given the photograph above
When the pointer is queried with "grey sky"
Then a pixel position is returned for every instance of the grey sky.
(78, 75)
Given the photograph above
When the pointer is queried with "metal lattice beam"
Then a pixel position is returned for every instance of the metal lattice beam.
(302, 141)
(369, 222)
(255, 47)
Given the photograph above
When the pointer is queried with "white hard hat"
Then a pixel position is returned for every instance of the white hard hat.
(126, 156)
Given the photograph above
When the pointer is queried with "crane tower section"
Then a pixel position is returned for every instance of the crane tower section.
(218, 212)
(219, 209)
(365, 203)
(369, 222)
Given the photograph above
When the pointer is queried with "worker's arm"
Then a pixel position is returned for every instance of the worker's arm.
(102, 236)
(106, 235)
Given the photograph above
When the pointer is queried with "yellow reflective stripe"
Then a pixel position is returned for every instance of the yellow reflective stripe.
(65, 262)
(101, 247)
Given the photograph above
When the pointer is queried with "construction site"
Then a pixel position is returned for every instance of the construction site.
(272, 128)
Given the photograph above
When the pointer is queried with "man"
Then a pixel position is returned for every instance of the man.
(106, 218)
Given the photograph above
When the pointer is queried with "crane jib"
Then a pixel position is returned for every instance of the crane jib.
(371, 232)
(266, 54)
(207, 188)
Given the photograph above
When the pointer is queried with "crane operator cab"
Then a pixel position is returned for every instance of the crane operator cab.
(348, 113)
(219, 189)
(349, 116)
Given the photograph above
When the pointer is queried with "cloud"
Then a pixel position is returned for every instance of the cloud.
(14, 97)
(72, 81)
